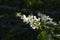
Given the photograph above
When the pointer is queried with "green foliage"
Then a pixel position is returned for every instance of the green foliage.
(43, 36)
(50, 29)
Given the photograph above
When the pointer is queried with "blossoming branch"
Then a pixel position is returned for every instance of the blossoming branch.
(36, 23)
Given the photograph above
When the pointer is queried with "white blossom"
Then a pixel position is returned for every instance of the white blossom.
(54, 23)
(32, 26)
(51, 22)
(31, 19)
(35, 18)
(18, 14)
(46, 18)
(25, 19)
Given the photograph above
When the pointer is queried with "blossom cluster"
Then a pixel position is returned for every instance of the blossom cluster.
(35, 22)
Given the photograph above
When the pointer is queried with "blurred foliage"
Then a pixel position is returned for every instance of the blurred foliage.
(29, 3)
(33, 4)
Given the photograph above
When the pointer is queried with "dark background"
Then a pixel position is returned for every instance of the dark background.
(12, 28)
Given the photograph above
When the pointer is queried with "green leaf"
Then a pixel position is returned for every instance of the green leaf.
(42, 36)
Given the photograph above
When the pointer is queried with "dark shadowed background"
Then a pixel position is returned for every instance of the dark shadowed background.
(12, 27)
